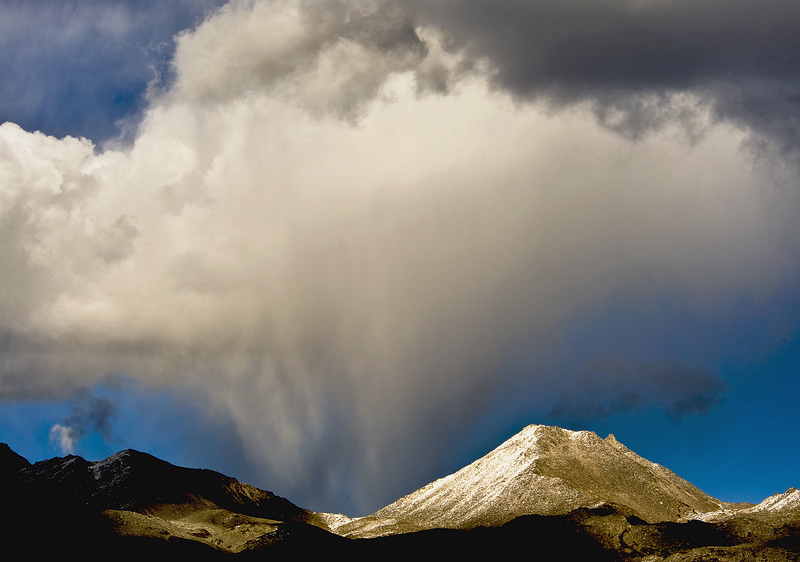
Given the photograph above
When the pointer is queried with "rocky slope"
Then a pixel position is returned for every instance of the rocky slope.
(545, 471)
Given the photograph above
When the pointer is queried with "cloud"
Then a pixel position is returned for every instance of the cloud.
(611, 386)
(633, 62)
(63, 438)
(342, 232)
(90, 414)
(329, 56)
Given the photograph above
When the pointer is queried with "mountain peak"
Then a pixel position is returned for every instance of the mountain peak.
(11, 464)
(9, 457)
(125, 460)
(543, 470)
(789, 500)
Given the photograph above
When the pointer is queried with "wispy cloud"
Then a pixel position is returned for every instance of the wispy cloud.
(62, 437)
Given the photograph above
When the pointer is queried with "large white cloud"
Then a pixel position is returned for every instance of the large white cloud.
(343, 255)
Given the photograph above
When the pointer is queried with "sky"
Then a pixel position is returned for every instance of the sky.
(340, 248)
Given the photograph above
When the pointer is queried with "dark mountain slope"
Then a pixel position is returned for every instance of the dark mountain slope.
(135, 481)
(10, 464)
(135, 495)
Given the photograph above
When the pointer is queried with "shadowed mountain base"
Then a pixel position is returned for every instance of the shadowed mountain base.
(601, 534)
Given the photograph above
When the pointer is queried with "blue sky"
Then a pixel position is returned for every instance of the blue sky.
(340, 249)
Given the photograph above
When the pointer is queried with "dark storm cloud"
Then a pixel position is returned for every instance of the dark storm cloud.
(633, 59)
(612, 386)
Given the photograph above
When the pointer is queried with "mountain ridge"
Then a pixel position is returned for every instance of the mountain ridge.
(572, 494)
(136, 481)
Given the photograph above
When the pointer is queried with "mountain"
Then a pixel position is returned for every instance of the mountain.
(551, 493)
(10, 463)
(135, 481)
(787, 501)
(545, 471)
(134, 494)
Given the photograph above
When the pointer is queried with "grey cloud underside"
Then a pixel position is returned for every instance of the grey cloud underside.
(622, 44)
(633, 62)
(631, 59)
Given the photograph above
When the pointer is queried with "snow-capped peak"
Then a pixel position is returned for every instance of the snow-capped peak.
(790, 499)
(112, 468)
(541, 470)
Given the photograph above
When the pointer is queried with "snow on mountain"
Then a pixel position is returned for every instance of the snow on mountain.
(542, 470)
(790, 499)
